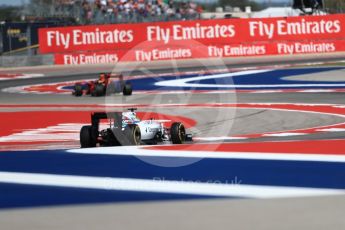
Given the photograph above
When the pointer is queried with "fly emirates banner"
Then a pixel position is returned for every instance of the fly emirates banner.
(194, 39)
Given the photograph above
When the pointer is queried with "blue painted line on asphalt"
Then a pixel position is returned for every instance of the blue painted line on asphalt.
(274, 77)
(254, 172)
(16, 195)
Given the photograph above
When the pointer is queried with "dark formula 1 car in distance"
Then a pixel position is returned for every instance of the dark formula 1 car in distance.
(106, 84)
(125, 128)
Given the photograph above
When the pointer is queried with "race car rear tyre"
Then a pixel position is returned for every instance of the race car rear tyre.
(86, 139)
(99, 90)
(178, 133)
(118, 87)
(78, 90)
(132, 135)
(111, 88)
(127, 89)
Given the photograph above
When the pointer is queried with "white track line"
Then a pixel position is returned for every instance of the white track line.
(222, 138)
(287, 134)
(331, 130)
(185, 153)
(185, 82)
(162, 186)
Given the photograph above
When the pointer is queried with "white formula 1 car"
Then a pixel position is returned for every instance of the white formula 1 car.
(125, 128)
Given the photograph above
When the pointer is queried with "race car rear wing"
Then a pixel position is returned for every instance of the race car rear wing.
(115, 117)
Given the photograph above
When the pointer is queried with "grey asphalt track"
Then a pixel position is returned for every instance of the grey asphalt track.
(296, 213)
(195, 98)
(314, 213)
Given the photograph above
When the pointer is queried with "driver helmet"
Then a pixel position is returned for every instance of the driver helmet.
(129, 118)
(102, 77)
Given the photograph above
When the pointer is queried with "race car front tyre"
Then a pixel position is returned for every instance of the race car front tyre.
(132, 135)
(178, 133)
(78, 90)
(86, 139)
(127, 89)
